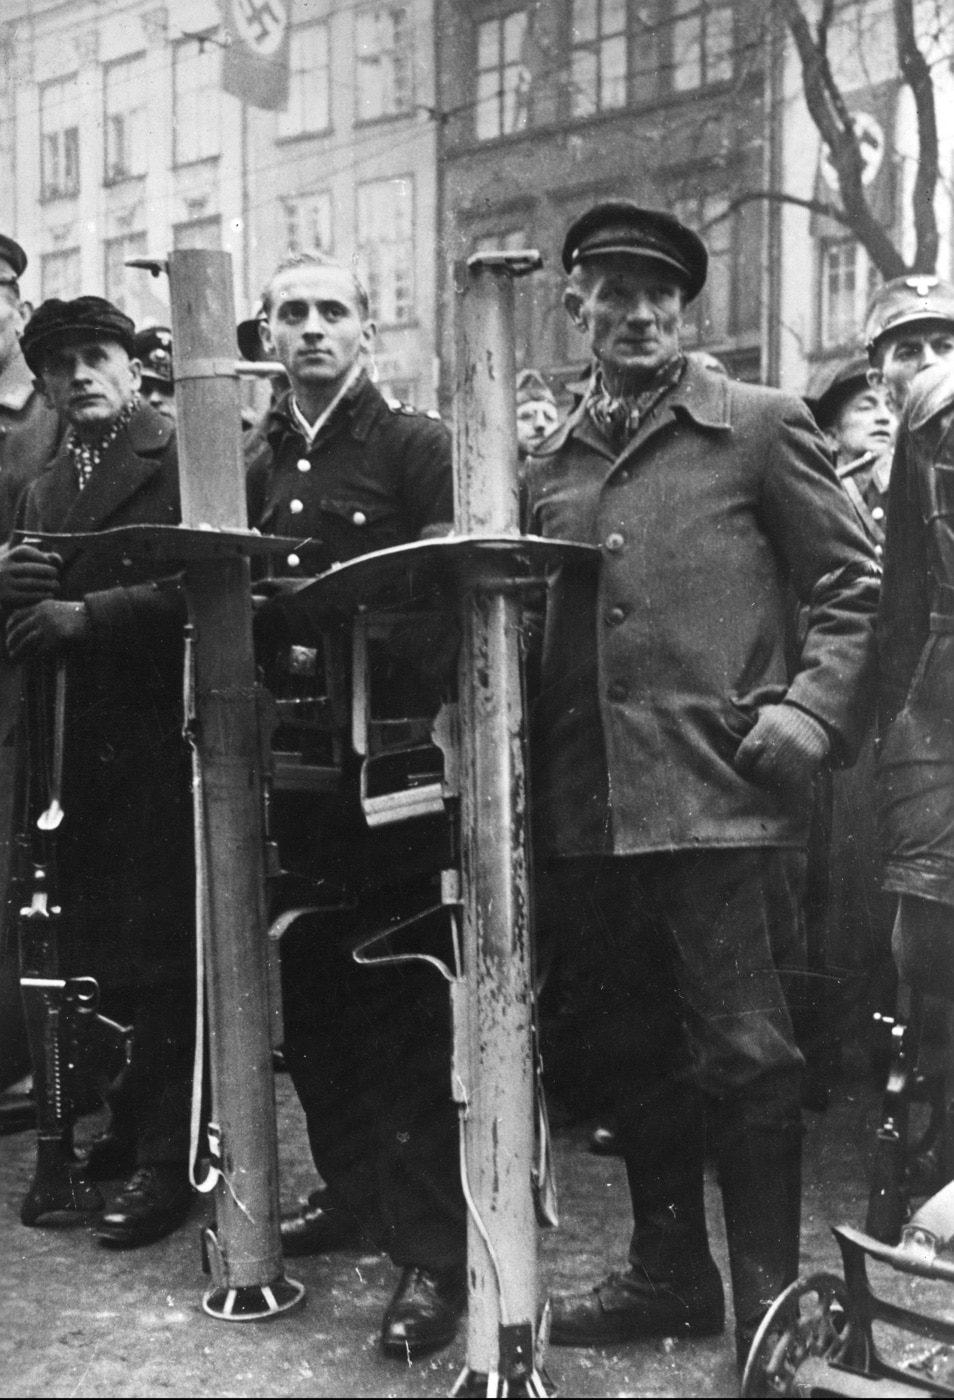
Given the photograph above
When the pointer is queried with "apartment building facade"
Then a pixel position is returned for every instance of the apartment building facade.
(117, 141)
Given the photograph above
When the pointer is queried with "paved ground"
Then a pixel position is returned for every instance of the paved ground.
(78, 1320)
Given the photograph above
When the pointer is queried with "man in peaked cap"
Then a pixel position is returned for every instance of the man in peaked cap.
(154, 352)
(124, 849)
(673, 764)
(909, 326)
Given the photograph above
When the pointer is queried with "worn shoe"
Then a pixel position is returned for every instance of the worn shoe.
(626, 1308)
(424, 1312)
(110, 1157)
(318, 1227)
(153, 1203)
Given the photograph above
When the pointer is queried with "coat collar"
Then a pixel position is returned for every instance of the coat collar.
(700, 395)
(130, 461)
(16, 384)
(360, 408)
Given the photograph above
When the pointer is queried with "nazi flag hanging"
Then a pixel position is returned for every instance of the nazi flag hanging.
(255, 61)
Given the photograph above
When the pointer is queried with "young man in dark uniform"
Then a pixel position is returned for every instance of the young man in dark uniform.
(674, 763)
(336, 464)
(124, 849)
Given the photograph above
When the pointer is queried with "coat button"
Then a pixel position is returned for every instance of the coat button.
(614, 542)
(878, 513)
(303, 464)
(296, 507)
(621, 477)
(293, 561)
(615, 616)
(878, 551)
(360, 518)
(617, 690)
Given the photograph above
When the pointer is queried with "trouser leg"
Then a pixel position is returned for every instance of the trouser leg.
(368, 1050)
(151, 1101)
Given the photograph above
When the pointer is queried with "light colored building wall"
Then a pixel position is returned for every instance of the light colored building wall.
(231, 176)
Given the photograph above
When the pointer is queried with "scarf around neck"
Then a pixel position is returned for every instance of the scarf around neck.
(619, 417)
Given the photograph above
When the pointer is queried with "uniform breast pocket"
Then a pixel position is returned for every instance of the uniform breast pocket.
(354, 527)
(942, 491)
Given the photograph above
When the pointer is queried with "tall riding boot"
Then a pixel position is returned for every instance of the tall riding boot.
(672, 1286)
(760, 1161)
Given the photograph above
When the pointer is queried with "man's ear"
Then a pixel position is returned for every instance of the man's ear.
(266, 340)
(574, 307)
(368, 331)
(135, 369)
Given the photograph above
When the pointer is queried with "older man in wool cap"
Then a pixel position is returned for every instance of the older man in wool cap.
(674, 762)
(124, 849)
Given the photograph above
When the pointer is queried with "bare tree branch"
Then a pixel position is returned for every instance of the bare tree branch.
(814, 206)
(917, 74)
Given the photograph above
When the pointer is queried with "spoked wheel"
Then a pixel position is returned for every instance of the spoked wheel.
(813, 1317)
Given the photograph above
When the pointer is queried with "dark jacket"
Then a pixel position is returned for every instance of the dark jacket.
(378, 474)
(30, 433)
(125, 846)
(916, 648)
(657, 659)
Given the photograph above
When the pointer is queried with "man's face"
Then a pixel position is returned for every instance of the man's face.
(865, 422)
(161, 396)
(316, 327)
(11, 315)
(631, 312)
(536, 420)
(910, 350)
(89, 383)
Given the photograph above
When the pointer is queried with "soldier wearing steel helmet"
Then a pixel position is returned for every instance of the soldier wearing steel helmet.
(911, 343)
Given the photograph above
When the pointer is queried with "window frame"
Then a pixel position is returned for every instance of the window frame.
(298, 200)
(398, 111)
(866, 279)
(500, 96)
(702, 11)
(296, 133)
(117, 174)
(67, 157)
(370, 272)
(66, 291)
(189, 46)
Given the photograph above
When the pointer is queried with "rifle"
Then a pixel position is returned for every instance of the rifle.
(61, 1012)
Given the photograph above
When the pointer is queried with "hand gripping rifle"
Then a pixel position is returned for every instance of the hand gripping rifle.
(60, 1012)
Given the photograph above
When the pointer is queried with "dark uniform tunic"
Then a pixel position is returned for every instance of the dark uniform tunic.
(368, 1049)
(125, 848)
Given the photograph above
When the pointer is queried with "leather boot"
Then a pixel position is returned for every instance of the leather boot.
(760, 1161)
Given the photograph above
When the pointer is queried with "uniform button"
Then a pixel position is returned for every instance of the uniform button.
(614, 542)
(296, 507)
(293, 561)
(360, 518)
(615, 616)
(877, 513)
(621, 478)
(878, 551)
(617, 691)
(303, 464)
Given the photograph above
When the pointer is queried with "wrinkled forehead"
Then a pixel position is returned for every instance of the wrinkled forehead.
(314, 284)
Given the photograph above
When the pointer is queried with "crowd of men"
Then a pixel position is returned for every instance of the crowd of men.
(704, 684)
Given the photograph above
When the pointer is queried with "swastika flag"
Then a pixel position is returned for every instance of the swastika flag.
(255, 61)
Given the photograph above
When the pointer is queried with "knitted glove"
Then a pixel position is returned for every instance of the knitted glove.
(785, 748)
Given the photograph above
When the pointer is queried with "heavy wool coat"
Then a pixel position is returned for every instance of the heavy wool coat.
(916, 646)
(125, 848)
(658, 657)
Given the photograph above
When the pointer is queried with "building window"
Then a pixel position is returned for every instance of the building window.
(196, 99)
(386, 247)
(385, 71)
(848, 278)
(198, 233)
(124, 116)
(116, 274)
(598, 56)
(60, 274)
(59, 139)
(308, 222)
(702, 43)
(309, 90)
(729, 306)
(503, 78)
